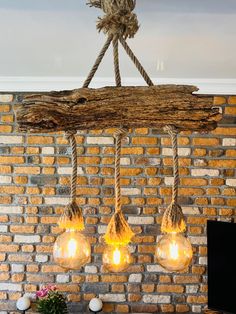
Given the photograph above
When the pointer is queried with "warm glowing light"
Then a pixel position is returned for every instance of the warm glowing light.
(174, 252)
(71, 250)
(72, 247)
(116, 258)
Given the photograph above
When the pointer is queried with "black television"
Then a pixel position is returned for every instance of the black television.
(221, 243)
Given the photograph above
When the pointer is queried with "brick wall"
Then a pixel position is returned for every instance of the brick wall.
(34, 179)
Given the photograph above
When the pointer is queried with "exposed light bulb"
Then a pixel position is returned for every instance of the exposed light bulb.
(71, 250)
(174, 252)
(116, 258)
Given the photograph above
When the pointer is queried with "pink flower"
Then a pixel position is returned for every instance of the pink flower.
(43, 292)
(51, 287)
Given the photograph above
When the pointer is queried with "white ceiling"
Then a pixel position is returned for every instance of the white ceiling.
(58, 39)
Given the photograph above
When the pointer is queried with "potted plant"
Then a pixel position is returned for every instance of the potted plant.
(50, 301)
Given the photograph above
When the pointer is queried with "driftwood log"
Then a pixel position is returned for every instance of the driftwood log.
(109, 107)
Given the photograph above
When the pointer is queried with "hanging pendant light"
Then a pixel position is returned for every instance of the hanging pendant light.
(116, 255)
(174, 250)
(72, 250)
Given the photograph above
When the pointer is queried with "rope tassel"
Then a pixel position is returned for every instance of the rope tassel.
(72, 218)
(173, 220)
(118, 230)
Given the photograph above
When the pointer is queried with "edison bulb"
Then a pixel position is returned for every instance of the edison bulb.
(71, 250)
(116, 258)
(174, 252)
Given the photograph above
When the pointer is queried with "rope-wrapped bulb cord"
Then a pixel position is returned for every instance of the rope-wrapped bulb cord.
(173, 220)
(72, 217)
(118, 230)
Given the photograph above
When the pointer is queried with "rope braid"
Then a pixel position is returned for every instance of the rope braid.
(72, 217)
(173, 218)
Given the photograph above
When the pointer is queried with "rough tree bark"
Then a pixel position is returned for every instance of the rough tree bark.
(109, 107)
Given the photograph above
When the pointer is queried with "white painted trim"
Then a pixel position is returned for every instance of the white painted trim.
(32, 84)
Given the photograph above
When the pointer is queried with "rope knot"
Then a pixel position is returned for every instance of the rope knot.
(119, 19)
(120, 133)
(171, 130)
(111, 6)
(69, 134)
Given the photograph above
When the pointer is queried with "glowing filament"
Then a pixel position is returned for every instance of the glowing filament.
(72, 247)
(71, 250)
(174, 251)
(116, 256)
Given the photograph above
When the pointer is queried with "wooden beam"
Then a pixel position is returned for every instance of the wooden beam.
(109, 107)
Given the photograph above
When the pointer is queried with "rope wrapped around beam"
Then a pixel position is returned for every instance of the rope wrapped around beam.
(173, 220)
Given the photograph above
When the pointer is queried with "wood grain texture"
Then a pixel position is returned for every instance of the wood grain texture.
(108, 107)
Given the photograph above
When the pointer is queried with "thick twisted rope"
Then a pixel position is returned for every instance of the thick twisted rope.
(118, 230)
(116, 61)
(136, 62)
(70, 136)
(72, 217)
(173, 220)
(119, 135)
(173, 132)
(97, 62)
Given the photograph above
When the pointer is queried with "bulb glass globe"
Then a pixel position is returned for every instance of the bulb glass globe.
(116, 258)
(174, 252)
(71, 250)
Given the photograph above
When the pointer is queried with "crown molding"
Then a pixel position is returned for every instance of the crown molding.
(44, 84)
